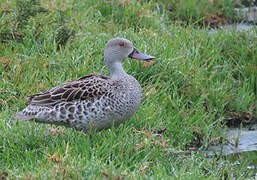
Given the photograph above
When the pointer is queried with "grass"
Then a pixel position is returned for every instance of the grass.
(197, 81)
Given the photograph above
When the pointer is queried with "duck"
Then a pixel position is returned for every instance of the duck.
(93, 102)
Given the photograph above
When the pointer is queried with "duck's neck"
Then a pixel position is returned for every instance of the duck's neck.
(117, 70)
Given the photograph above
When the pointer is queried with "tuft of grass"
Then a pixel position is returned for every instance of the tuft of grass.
(25, 9)
(198, 81)
(16, 19)
(28, 20)
(203, 13)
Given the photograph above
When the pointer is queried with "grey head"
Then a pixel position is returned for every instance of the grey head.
(118, 49)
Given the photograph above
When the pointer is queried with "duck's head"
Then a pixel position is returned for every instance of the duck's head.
(118, 49)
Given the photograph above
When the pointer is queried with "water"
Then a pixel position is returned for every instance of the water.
(238, 140)
(249, 15)
(252, 29)
(239, 27)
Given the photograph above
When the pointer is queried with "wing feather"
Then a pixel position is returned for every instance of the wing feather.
(76, 90)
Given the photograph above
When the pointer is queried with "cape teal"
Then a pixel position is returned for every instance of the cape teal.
(93, 102)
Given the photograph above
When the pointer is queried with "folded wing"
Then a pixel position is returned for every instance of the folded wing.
(80, 89)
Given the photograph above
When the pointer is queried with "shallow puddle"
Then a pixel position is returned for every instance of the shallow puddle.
(248, 13)
(238, 140)
(239, 27)
(249, 23)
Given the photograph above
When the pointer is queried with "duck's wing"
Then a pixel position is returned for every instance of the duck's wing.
(80, 89)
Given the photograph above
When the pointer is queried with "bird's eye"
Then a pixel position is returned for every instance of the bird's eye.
(121, 44)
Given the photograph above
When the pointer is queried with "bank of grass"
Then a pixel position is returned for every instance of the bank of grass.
(196, 82)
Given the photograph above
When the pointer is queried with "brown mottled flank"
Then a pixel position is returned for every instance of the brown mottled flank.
(93, 102)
